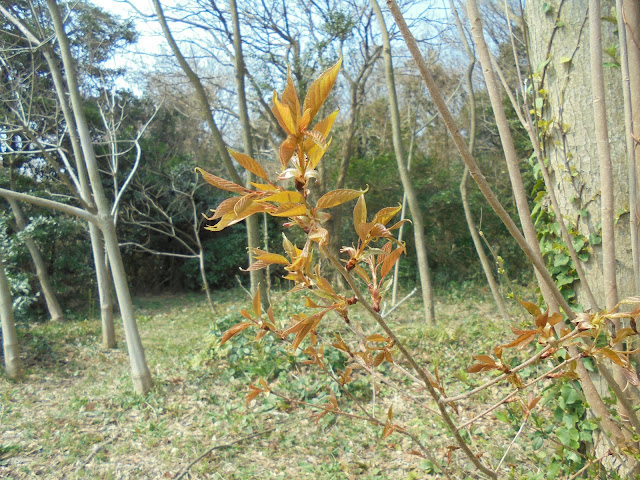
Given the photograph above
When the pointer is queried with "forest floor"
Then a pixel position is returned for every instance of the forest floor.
(75, 414)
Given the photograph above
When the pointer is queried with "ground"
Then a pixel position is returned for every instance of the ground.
(75, 414)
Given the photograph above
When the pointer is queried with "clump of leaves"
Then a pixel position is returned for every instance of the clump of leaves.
(300, 154)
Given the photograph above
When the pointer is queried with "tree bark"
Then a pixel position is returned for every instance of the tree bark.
(571, 146)
(412, 199)
(12, 362)
(140, 372)
(55, 312)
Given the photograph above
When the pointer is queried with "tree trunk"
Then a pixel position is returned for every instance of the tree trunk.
(139, 371)
(97, 244)
(55, 312)
(104, 287)
(253, 230)
(412, 199)
(12, 363)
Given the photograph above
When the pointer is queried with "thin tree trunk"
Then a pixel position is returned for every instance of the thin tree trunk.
(477, 242)
(412, 199)
(205, 107)
(253, 230)
(12, 363)
(140, 372)
(55, 312)
(104, 286)
(97, 245)
(511, 157)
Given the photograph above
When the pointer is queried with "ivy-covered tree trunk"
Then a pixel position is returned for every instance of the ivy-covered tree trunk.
(562, 81)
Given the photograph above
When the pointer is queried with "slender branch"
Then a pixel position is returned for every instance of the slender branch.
(43, 202)
(405, 353)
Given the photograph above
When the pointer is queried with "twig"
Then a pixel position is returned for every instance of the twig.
(228, 445)
(409, 295)
(243, 287)
(96, 449)
(506, 452)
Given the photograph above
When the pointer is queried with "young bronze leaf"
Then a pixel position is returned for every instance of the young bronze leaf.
(315, 154)
(257, 308)
(265, 187)
(287, 149)
(290, 97)
(622, 334)
(317, 137)
(286, 196)
(221, 183)
(289, 210)
(257, 265)
(324, 127)
(385, 215)
(376, 337)
(338, 197)
(389, 262)
(284, 116)
(271, 258)
(226, 206)
(359, 213)
(319, 89)
(614, 356)
(249, 163)
(253, 393)
(525, 337)
(237, 328)
(532, 308)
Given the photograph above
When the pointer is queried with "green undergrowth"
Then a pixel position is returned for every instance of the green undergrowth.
(75, 414)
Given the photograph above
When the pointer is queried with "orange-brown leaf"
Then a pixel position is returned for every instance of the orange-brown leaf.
(221, 183)
(286, 196)
(359, 213)
(249, 164)
(287, 149)
(320, 88)
(257, 307)
(338, 197)
(389, 262)
(289, 210)
(385, 215)
(522, 340)
(290, 97)
(253, 393)
(226, 206)
(376, 337)
(233, 331)
(324, 127)
(271, 258)
(284, 116)
(532, 308)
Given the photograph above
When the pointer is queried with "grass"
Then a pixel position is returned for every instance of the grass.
(75, 414)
